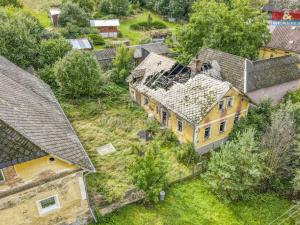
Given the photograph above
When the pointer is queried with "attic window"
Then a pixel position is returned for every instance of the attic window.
(206, 66)
(229, 102)
(51, 160)
(2, 179)
(179, 126)
(221, 105)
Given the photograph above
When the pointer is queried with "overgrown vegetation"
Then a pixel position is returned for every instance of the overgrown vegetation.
(217, 25)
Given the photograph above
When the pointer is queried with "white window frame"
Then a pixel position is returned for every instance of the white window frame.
(2, 174)
(221, 132)
(43, 211)
(223, 106)
(230, 99)
(179, 121)
(205, 138)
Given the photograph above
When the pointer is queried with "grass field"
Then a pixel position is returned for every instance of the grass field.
(136, 36)
(117, 121)
(191, 203)
(40, 5)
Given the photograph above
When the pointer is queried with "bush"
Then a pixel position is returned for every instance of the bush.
(237, 169)
(149, 173)
(96, 39)
(47, 75)
(168, 139)
(187, 154)
(72, 13)
(144, 25)
(78, 74)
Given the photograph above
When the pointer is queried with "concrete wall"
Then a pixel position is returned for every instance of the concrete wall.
(22, 208)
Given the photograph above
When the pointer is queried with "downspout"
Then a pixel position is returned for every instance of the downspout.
(87, 197)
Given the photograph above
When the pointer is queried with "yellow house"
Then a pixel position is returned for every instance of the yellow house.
(42, 162)
(285, 41)
(198, 108)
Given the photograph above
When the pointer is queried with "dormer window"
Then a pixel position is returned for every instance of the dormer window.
(221, 105)
(2, 178)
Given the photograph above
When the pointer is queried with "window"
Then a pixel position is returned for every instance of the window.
(222, 127)
(207, 133)
(164, 118)
(236, 119)
(179, 125)
(146, 101)
(2, 179)
(157, 110)
(48, 204)
(229, 102)
(221, 105)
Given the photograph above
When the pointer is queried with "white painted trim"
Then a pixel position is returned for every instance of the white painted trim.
(1, 172)
(223, 118)
(82, 188)
(50, 208)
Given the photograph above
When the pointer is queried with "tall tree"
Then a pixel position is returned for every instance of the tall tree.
(72, 13)
(14, 3)
(240, 29)
(236, 170)
(119, 7)
(122, 64)
(20, 34)
(78, 75)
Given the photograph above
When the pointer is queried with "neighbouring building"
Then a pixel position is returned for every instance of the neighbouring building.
(285, 41)
(107, 28)
(105, 57)
(81, 44)
(54, 13)
(42, 162)
(267, 78)
(198, 107)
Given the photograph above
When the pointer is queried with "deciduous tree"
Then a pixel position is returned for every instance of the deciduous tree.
(78, 75)
(240, 29)
(236, 170)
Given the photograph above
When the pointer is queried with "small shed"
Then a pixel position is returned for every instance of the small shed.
(54, 13)
(107, 28)
(80, 44)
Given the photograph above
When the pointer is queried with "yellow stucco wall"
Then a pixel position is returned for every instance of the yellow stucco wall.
(22, 208)
(266, 53)
(35, 170)
(213, 119)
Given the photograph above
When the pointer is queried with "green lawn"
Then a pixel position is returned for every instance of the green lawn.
(191, 203)
(117, 121)
(40, 5)
(136, 36)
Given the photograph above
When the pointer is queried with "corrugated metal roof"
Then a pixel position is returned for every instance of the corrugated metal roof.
(105, 23)
(82, 43)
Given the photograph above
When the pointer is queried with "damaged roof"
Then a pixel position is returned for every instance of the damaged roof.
(32, 121)
(192, 98)
(286, 38)
(247, 75)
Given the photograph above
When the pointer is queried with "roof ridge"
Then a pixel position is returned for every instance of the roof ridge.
(220, 51)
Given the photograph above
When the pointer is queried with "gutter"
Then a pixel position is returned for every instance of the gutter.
(87, 197)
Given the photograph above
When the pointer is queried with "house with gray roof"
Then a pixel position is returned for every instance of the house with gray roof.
(105, 57)
(39, 150)
(80, 44)
(198, 107)
(259, 79)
